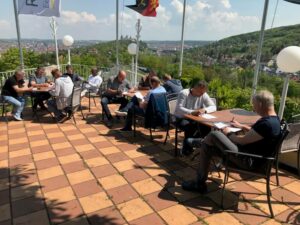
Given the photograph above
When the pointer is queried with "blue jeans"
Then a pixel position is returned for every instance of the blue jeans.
(18, 104)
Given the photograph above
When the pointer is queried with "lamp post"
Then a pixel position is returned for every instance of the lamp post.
(132, 51)
(68, 41)
(288, 61)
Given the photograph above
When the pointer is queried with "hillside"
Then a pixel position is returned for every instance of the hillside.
(245, 45)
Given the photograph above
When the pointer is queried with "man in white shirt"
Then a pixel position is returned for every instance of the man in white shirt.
(193, 101)
(94, 81)
(62, 91)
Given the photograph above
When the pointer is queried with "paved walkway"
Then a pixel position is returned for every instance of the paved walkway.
(88, 174)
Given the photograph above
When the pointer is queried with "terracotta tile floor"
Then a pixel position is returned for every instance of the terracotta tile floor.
(89, 174)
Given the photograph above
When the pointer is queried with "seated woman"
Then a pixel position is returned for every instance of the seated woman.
(259, 139)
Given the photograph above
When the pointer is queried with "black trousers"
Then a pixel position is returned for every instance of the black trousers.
(192, 129)
(105, 100)
(39, 98)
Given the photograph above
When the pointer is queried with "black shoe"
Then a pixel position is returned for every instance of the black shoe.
(194, 186)
(109, 123)
(126, 129)
(186, 151)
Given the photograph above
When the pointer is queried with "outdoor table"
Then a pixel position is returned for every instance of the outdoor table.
(226, 116)
(40, 90)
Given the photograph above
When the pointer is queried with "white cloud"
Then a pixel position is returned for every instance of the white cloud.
(72, 17)
(226, 3)
(4, 24)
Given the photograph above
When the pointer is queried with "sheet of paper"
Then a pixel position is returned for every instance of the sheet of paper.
(208, 116)
(125, 93)
(220, 125)
(34, 89)
(234, 129)
(139, 95)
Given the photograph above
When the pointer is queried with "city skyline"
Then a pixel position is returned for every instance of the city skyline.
(205, 20)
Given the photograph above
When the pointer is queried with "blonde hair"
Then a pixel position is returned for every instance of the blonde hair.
(264, 97)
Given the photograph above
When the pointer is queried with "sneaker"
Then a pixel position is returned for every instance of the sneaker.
(125, 129)
(194, 186)
(17, 118)
(120, 113)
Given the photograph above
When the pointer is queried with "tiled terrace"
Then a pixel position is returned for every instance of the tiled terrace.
(88, 174)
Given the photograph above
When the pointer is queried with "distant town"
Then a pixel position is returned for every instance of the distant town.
(42, 46)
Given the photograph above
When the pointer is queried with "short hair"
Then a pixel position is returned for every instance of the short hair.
(69, 67)
(18, 71)
(200, 84)
(152, 71)
(167, 77)
(94, 68)
(54, 71)
(155, 79)
(266, 98)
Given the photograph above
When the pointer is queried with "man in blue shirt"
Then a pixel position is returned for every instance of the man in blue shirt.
(139, 104)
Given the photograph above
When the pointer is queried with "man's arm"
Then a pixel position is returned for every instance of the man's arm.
(249, 137)
(180, 109)
(22, 89)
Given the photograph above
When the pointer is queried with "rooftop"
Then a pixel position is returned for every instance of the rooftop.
(88, 174)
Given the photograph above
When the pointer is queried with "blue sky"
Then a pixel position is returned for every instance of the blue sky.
(206, 19)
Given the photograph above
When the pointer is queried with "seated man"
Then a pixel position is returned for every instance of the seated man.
(74, 77)
(93, 83)
(144, 83)
(62, 92)
(115, 87)
(38, 80)
(193, 101)
(13, 92)
(140, 105)
(259, 139)
(172, 86)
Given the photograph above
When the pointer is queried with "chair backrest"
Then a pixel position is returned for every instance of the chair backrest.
(76, 97)
(172, 96)
(172, 106)
(292, 141)
(284, 131)
(214, 101)
(102, 88)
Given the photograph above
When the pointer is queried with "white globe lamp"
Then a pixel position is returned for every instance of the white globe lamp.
(132, 48)
(68, 41)
(288, 61)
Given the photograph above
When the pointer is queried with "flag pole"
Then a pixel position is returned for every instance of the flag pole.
(19, 35)
(138, 31)
(182, 39)
(53, 26)
(117, 34)
(259, 50)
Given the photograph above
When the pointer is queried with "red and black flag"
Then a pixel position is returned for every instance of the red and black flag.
(145, 7)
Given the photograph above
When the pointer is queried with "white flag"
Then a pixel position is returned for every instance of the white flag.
(39, 7)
